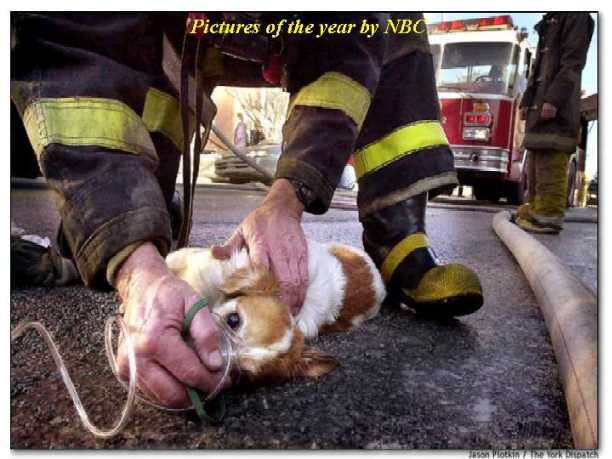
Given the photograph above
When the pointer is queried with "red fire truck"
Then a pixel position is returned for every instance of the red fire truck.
(482, 66)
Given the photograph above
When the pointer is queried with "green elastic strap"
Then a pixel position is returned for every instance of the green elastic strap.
(212, 411)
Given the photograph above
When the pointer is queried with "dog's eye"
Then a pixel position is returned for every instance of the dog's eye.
(233, 320)
(232, 295)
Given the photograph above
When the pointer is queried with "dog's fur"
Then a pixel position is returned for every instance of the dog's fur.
(344, 289)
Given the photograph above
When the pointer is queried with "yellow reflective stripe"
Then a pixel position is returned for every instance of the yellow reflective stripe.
(161, 113)
(400, 252)
(81, 121)
(444, 282)
(335, 91)
(399, 143)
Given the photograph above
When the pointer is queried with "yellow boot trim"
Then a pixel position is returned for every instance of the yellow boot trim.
(444, 282)
(524, 211)
(334, 90)
(80, 121)
(161, 114)
(552, 205)
(401, 251)
(530, 221)
(401, 142)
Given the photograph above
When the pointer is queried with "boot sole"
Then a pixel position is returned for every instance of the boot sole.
(455, 306)
(531, 227)
(540, 230)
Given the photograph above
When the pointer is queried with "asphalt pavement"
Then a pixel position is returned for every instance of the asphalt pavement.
(488, 380)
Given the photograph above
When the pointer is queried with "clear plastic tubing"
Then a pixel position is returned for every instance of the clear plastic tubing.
(59, 362)
(227, 353)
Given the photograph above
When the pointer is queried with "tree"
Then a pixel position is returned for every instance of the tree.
(264, 106)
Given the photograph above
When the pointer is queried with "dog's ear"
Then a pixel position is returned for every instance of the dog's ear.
(314, 363)
(250, 281)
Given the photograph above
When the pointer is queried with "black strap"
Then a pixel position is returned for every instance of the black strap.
(197, 145)
(205, 111)
(184, 109)
(212, 411)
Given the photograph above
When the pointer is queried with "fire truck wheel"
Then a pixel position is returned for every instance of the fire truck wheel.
(486, 193)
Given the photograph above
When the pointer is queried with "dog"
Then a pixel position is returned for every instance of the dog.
(344, 290)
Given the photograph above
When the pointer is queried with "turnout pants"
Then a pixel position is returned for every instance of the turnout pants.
(547, 200)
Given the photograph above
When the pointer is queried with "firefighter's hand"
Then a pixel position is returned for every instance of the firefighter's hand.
(549, 111)
(155, 303)
(275, 240)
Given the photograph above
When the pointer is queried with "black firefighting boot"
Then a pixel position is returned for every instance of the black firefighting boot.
(395, 238)
(33, 264)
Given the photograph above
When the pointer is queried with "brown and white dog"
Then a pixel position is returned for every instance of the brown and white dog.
(344, 289)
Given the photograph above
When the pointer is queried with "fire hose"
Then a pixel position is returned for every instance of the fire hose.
(570, 312)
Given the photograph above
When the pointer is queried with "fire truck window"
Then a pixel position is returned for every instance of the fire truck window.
(516, 82)
(479, 67)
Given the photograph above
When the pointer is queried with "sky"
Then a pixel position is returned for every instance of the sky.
(589, 74)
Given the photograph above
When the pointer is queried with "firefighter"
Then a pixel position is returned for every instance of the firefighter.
(551, 108)
(102, 117)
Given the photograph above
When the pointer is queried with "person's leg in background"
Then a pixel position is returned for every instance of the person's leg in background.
(547, 210)
(402, 154)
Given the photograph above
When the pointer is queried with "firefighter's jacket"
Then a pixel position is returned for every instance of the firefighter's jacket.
(102, 117)
(556, 78)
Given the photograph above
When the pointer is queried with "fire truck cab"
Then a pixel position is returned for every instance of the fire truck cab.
(482, 66)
